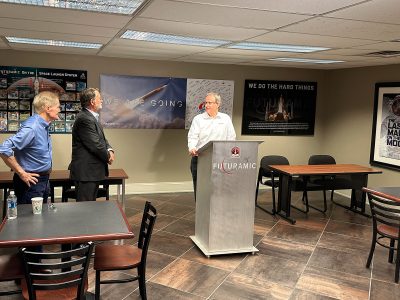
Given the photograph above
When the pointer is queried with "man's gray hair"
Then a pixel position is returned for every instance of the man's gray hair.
(216, 96)
(44, 99)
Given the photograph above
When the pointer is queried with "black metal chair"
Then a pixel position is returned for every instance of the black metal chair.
(69, 192)
(67, 279)
(266, 176)
(11, 269)
(109, 257)
(386, 226)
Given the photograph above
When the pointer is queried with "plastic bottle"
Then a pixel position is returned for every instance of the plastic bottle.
(12, 206)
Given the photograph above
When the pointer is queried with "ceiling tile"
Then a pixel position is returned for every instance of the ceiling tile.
(217, 15)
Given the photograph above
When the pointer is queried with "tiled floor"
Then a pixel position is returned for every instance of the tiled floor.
(321, 257)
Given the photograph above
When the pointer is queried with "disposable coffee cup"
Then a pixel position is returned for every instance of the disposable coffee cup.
(37, 204)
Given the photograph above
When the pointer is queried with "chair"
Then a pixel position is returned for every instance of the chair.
(11, 269)
(328, 182)
(266, 172)
(109, 257)
(68, 279)
(386, 225)
(69, 192)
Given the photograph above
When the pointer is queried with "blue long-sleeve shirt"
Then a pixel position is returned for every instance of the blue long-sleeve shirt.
(31, 145)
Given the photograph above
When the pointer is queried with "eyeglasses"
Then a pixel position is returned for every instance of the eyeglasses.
(209, 102)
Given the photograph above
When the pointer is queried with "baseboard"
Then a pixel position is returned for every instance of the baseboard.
(166, 187)
(148, 188)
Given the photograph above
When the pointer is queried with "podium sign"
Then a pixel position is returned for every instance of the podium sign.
(226, 182)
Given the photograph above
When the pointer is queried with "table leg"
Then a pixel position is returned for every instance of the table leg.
(284, 197)
(123, 194)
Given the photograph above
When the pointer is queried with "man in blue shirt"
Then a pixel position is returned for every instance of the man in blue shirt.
(29, 152)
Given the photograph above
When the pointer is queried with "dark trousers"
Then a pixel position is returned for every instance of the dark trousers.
(193, 169)
(25, 193)
(86, 190)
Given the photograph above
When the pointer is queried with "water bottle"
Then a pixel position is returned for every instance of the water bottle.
(12, 206)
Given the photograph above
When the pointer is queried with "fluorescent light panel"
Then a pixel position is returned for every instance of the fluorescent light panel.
(125, 7)
(276, 47)
(171, 39)
(307, 61)
(53, 43)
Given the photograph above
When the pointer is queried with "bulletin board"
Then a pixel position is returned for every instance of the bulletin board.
(19, 85)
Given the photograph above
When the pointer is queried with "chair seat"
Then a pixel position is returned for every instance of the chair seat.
(116, 257)
(388, 231)
(11, 267)
(62, 294)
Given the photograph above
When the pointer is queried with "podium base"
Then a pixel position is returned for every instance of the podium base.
(208, 253)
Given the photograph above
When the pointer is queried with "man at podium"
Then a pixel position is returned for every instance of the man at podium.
(211, 125)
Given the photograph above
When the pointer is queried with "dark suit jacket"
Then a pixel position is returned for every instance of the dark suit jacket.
(89, 149)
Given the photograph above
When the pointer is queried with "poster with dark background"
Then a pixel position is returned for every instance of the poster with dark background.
(279, 107)
(19, 85)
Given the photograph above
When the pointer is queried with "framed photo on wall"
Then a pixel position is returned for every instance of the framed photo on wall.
(385, 141)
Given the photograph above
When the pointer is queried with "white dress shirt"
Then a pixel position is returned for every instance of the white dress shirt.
(205, 128)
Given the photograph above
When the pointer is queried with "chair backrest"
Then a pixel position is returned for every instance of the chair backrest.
(384, 211)
(146, 228)
(321, 159)
(271, 160)
(69, 270)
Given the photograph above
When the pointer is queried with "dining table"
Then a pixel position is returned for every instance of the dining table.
(357, 176)
(66, 223)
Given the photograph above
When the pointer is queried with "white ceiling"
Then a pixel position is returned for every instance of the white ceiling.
(351, 28)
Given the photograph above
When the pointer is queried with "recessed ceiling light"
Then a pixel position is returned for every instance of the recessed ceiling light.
(172, 39)
(53, 43)
(125, 7)
(306, 60)
(276, 47)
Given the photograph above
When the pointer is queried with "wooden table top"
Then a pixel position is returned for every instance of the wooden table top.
(302, 170)
(60, 175)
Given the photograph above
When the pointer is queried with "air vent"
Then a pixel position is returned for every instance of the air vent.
(383, 54)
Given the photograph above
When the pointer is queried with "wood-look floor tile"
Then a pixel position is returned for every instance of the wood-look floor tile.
(238, 286)
(343, 261)
(260, 214)
(285, 249)
(171, 244)
(381, 290)
(225, 262)
(350, 229)
(174, 210)
(341, 242)
(345, 215)
(186, 199)
(192, 277)
(261, 227)
(156, 291)
(270, 268)
(308, 222)
(334, 284)
(154, 264)
(190, 216)
(256, 239)
(163, 220)
(305, 295)
(296, 234)
(182, 227)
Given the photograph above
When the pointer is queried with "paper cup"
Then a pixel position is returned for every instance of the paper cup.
(37, 203)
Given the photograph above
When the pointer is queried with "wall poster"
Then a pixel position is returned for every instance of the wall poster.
(279, 107)
(19, 85)
(157, 102)
(385, 141)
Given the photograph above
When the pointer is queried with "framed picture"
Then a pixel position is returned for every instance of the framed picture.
(385, 141)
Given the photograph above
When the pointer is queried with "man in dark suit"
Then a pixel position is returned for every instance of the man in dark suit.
(91, 152)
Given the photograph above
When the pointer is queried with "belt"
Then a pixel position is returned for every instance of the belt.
(45, 173)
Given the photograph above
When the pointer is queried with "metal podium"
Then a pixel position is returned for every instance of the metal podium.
(226, 182)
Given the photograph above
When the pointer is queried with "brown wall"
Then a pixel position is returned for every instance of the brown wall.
(343, 119)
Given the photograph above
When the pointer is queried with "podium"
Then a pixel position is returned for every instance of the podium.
(226, 183)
